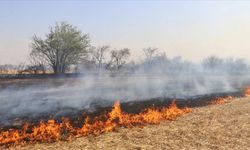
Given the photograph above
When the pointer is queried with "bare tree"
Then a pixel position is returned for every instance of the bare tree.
(99, 55)
(236, 66)
(212, 62)
(38, 62)
(63, 46)
(118, 58)
(150, 53)
(21, 68)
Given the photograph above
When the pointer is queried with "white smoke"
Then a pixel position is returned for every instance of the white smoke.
(105, 89)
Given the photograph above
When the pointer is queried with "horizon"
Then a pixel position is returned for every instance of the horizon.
(190, 29)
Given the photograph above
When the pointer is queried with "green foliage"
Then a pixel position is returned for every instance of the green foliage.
(63, 46)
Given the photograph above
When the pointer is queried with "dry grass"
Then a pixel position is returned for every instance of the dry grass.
(224, 126)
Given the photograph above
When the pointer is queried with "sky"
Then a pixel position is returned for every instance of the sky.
(191, 29)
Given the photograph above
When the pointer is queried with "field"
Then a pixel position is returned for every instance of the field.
(124, 75)
(53, 98)
(224, 126)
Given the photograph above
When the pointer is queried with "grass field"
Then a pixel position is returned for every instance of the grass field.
(224, 126)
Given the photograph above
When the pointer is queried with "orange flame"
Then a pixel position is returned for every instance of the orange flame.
(221, 100)
(51, 130)
(247, 92)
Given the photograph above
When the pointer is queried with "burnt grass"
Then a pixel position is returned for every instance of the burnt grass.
(77, 117)
(97, 107)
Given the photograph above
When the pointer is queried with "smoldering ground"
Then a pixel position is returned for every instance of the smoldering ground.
(35, 100)
(161, 78)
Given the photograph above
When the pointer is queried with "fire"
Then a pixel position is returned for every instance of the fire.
(52, 130)
(247, 92)
(221, 100)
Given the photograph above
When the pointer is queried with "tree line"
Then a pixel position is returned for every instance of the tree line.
(65, 47)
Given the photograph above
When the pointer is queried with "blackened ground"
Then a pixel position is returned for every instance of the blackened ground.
(225, 127)
(98, 107)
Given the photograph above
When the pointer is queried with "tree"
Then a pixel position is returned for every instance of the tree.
(99, 54)
(150, 53)
(212, 62)
(235, 66)
(63, 46)
(38, 62)
(118, 58)
(21, 68)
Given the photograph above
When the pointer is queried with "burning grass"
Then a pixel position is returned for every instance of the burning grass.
(52, 131)
(213, 127)
(247, 91)
(221, 100)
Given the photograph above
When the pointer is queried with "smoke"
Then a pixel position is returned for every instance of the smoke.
(171, 79)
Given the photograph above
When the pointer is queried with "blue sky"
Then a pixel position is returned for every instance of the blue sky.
(191, 29)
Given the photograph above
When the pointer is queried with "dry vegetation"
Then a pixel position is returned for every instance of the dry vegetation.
(224, 126)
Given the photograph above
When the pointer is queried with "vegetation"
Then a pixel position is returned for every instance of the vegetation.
(65, 48)
(118, 58)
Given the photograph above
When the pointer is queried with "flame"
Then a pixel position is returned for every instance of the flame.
(221, 100)
(52, 130)
(247, 92)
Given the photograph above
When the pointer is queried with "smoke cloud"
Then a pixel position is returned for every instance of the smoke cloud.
(185, 80)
